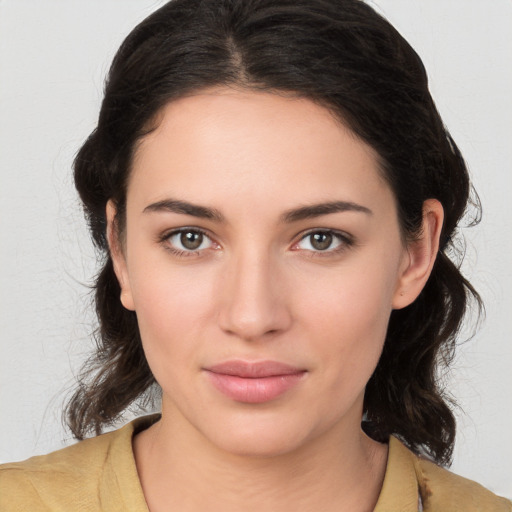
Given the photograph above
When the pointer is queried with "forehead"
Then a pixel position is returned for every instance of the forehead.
(222, 142)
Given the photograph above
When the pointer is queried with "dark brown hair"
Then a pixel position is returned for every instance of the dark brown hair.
(346, 57)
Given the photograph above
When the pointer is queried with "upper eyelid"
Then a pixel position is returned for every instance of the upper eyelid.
(342, 234)
(173, 231)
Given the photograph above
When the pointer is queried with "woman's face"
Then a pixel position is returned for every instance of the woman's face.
(263, 257)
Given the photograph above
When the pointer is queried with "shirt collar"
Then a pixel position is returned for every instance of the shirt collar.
(400, 488)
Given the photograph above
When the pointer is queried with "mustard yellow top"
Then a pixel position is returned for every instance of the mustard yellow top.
(99, 474)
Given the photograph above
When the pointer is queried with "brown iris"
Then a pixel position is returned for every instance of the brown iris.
(191, 240)
(321, 241)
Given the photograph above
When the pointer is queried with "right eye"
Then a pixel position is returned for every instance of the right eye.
(187, 241)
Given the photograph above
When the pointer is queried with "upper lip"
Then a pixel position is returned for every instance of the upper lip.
(254, 370)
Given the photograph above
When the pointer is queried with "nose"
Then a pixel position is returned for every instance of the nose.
(254, 303)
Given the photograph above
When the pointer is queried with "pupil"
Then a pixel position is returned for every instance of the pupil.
(191, 240)
(321, 241)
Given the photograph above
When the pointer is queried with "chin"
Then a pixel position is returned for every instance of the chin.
(256, 445)
(268, 435)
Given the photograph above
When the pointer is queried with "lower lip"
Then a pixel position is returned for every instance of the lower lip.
(254, 390)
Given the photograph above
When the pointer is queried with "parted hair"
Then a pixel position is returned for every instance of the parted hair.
(346, 57)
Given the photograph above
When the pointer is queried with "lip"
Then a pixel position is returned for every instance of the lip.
(254, 382)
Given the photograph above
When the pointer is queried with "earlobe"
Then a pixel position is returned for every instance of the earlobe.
(420, 257)
(118, 257)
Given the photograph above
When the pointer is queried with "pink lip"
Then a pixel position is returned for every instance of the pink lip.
(256, 382)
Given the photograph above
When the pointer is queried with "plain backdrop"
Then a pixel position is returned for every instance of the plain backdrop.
(53, 57)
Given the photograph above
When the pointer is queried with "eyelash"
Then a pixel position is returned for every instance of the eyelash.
(345, 241)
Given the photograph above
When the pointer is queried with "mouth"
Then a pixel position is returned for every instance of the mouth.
(254, 382)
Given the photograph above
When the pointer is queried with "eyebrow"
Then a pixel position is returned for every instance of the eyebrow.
(176, 206)
(317, 210)
(293, 215)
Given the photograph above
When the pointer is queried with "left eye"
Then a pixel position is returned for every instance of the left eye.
(322, 241)
(189, 240)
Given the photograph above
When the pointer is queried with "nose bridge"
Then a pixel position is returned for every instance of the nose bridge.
(253, 301)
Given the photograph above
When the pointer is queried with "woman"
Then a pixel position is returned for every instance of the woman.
(275, 195)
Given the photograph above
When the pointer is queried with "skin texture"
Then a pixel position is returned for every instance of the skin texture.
(257, 289)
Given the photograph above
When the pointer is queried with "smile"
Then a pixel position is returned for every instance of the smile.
(254, 382)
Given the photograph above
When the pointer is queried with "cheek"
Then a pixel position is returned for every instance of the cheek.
(347, 315)
(172, 306)
(353, 300)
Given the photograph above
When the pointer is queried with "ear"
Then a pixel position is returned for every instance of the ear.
(420, 256)
(118, 257)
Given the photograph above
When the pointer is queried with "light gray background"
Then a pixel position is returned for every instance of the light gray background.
(53, 57)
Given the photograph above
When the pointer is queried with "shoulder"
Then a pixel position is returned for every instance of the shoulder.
(87, 476)
(410, 480)
(443, 490)
(38, 480)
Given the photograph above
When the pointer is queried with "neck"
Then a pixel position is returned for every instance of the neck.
(179, 469)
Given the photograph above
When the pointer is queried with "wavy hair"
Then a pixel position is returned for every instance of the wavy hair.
(347, 58)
